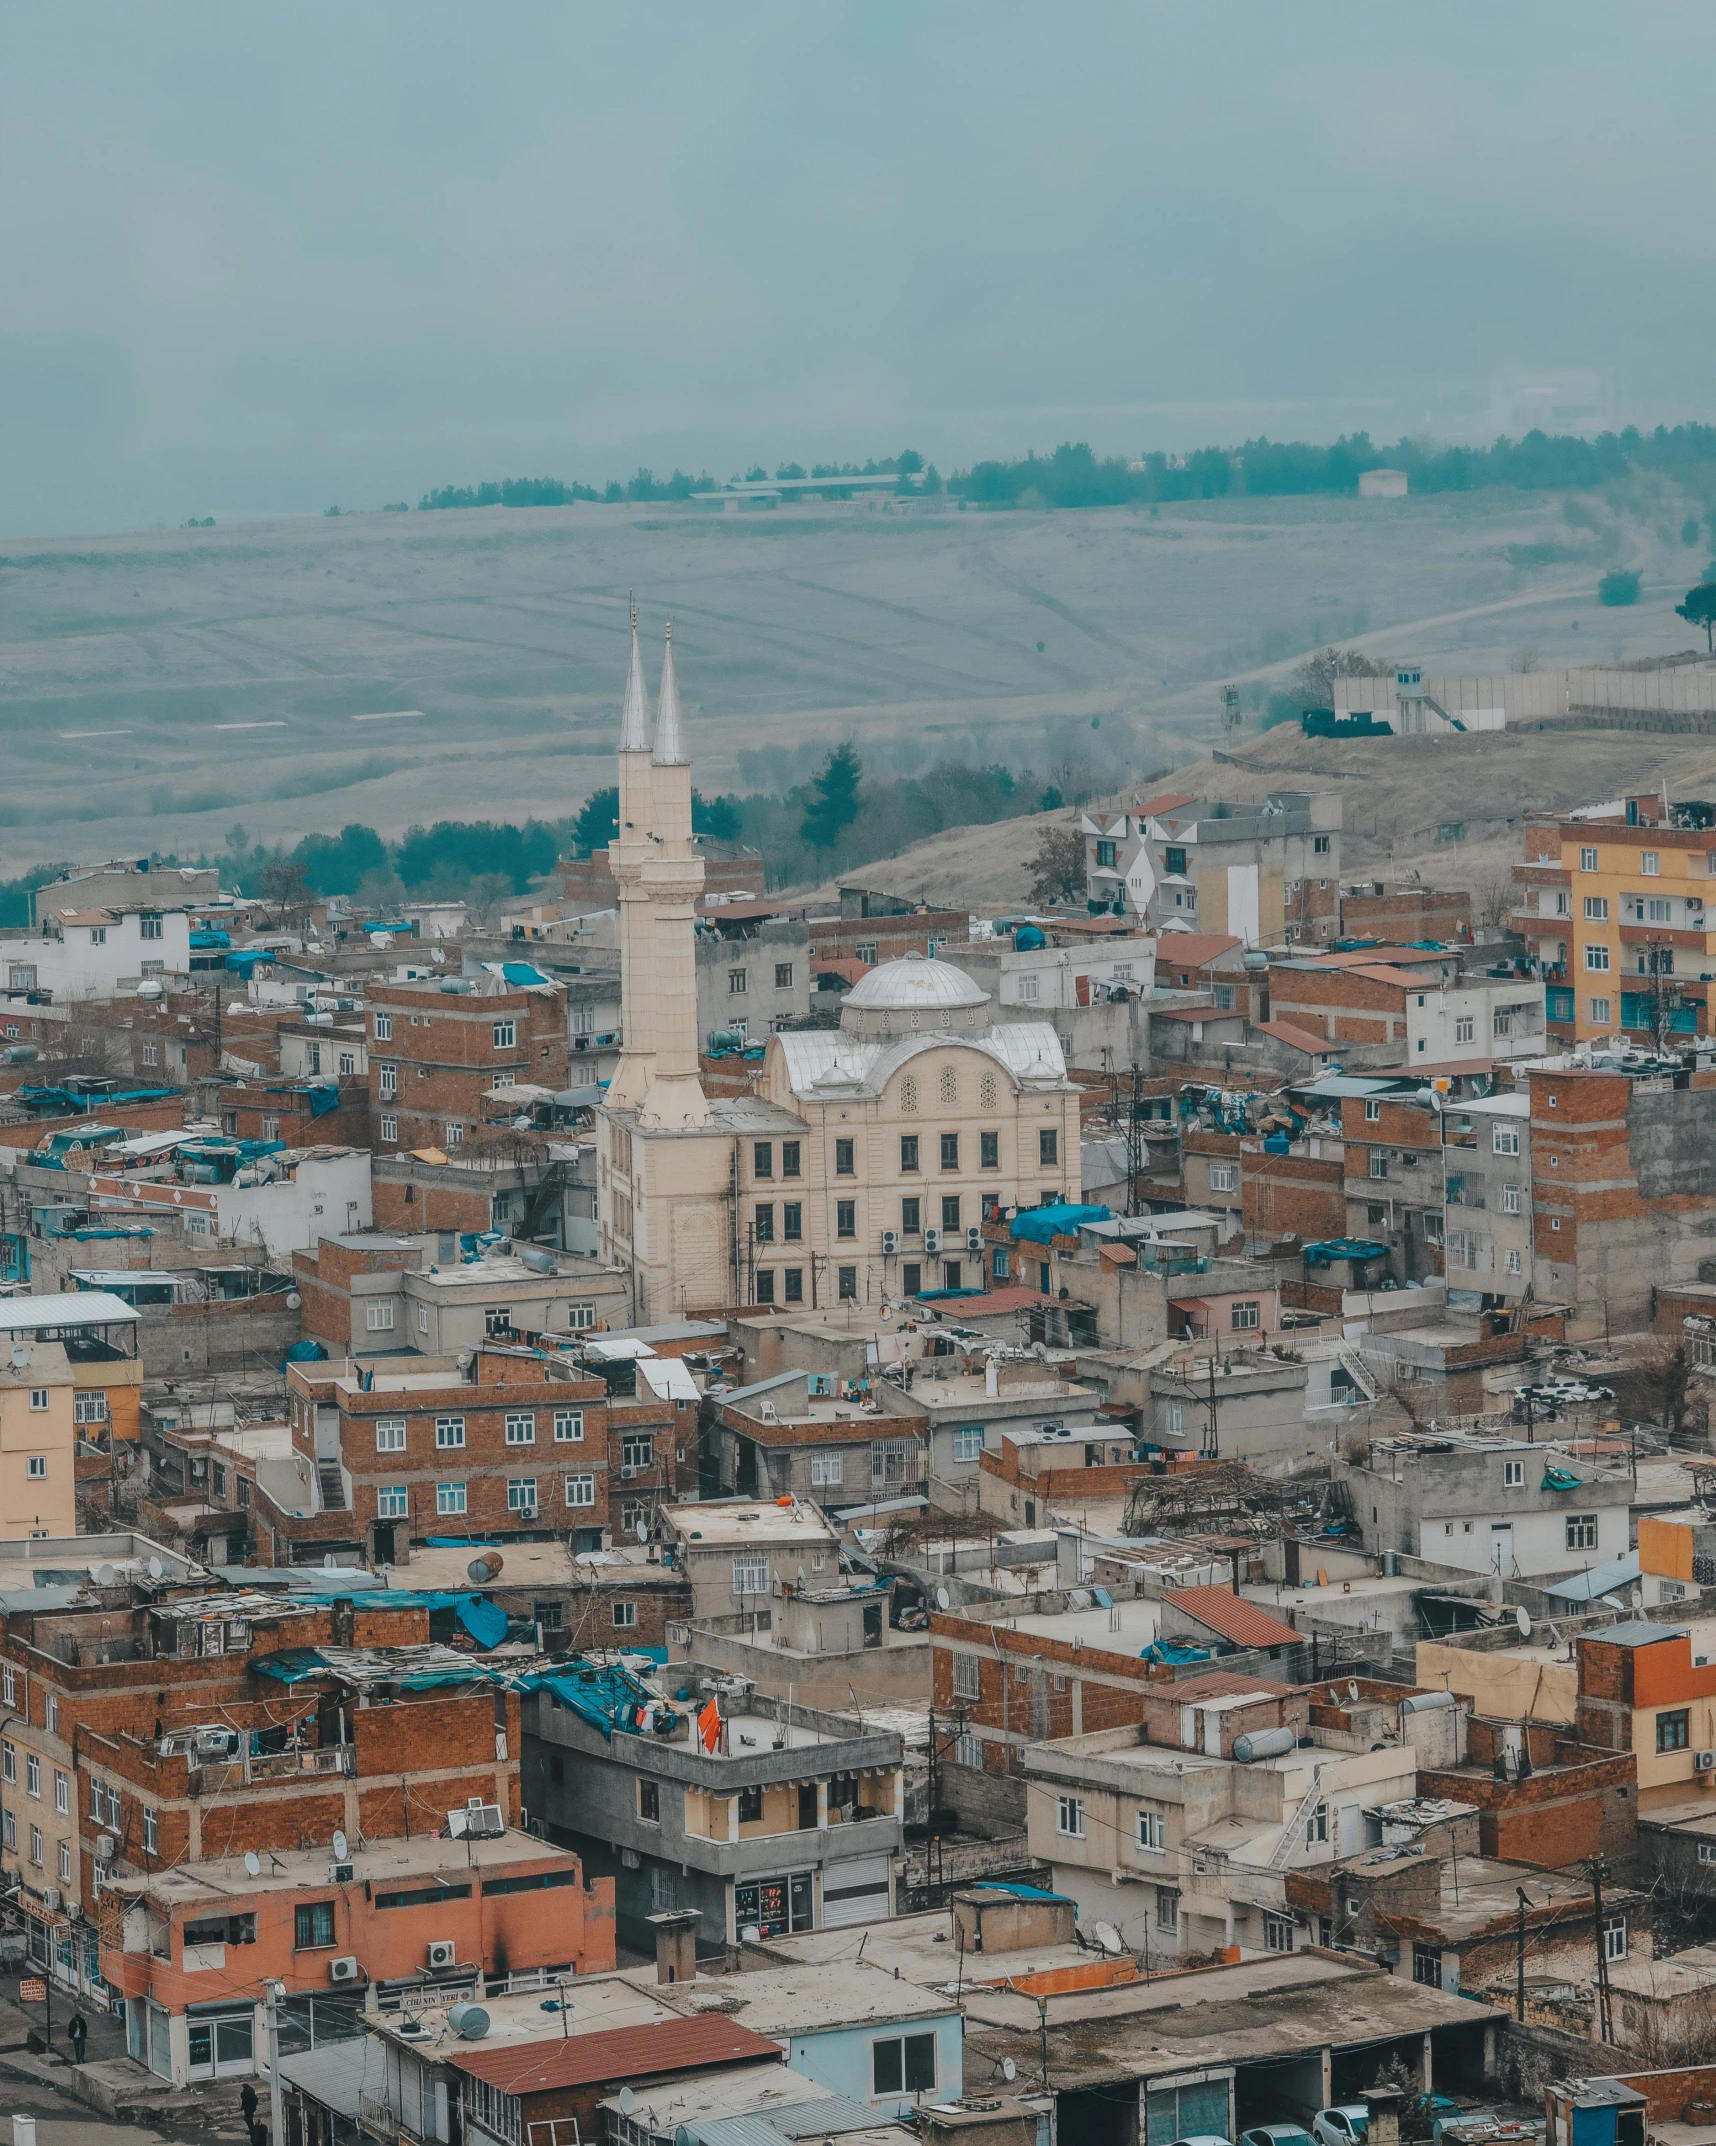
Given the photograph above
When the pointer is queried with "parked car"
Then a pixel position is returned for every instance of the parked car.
(1344, 2125)
(1203, 2138)
(1276, 2135)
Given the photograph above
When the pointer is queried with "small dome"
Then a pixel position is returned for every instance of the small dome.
(916, 984)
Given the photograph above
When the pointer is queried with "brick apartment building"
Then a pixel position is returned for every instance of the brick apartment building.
(1299, 1194)
(297, 1112)
(1413, 1008)
(504, 1443)
(1399, 915)
(436, 1050)
(1623, 1187)
(1395, 1180)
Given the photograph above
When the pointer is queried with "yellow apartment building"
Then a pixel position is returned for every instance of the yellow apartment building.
(38, 1437)
(1613, 904)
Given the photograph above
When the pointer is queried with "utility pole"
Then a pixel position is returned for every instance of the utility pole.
(1602, 1948)
(274, 1991)
(1519, 1986)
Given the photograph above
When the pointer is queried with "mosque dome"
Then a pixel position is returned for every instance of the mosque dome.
(914, 993)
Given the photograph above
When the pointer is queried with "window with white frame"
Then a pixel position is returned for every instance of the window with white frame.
(387, 1082)
(568, 1426)
(580, 1490)
(1581, 1531)
(580, 1316)
(1510, 1200)
(53, 1713)
(1504, 1139)
(455, 1135)
(750, 1576)
(1317, 1825)
(1379, 1162)
(62, 1792)
(625, 1615)
(449, 1497)
(8, 1686)
(506, 1033)
(32, 1774)
(8, 1762)
(968, 1751)
(521, 1427)
(1614, 1937)
(1372, 1110)
(151, 1837)
(521, 1493)
(378, 1318)
(1463, 1028)
(40, 1400)
(1224, 1176)
(1277, 1932)
(826, 1470)
(967, 1676)
(384, 1028)
(389, 1126)
(1587, 860)
(390, 1434)
(90, 1408)
(1069, 1817)
(968, 1442)
(1650, 863)
(392, 1502)
(36, 1468)
(1152, 1830)
(1597, 958)
(1167, 1907)
(637, 1449)
(1513, 1260)
(449, 1432)
(1513, 1475)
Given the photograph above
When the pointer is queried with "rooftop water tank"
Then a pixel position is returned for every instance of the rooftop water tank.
(1028, 937)
(468, 2020)
(1264, 1744)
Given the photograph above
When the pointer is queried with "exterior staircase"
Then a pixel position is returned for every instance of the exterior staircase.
(331, 1486)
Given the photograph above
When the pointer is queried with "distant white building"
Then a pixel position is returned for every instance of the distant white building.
(97, 953)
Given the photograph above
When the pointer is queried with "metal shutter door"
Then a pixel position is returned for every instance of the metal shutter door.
(855, 1892)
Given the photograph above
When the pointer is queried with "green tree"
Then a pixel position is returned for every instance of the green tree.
(834, 799)
(1057, 870)
(1699, 608)
(598, 821)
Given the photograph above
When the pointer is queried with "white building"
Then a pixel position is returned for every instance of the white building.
(97, 953)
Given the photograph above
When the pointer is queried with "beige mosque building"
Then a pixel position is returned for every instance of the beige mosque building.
(863, 1166)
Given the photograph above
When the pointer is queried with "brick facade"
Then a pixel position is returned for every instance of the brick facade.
(435, 1054)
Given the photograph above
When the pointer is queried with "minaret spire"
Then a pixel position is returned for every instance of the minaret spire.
(669, 730)
(634, 718)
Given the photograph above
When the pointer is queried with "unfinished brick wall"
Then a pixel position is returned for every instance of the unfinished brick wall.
(1303, 1196)
(435, 1055)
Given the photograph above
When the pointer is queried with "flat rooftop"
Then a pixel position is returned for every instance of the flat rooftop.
(806, 1996)
(288, 1870)
(1127, 1628)
(717, 1526)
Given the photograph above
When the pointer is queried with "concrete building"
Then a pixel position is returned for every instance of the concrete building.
(792, 1821)
(1498, 1505)
(753, 967)
(1393, 1009)
(1648, 1689)
(1487, 1221)
(38, 1439)
(1268, 874)
(437, 1049)
(1095, 993)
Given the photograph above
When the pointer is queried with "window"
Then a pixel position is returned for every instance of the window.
(348, 1062)
(32, 1774)
(1463, 1028)
(521, 1494)
(1048, 1146)
(950, 1211)
(37, 1468)
(950, 1151)
(790, 1158)
(1167, 1907)
(113, 1807)
(762, 1158)
(1513, 1475)
(908, 1151)
(825, 1469)
(1660, 912)
(846, 1285)
(967, 1676)
(1245, 1317)
(968, 1441)
(90, 1408)
(449, 1432)
(580, 1316)
(505, 1035)
(750, 1576)
(389, 1126)
(763, 1223)
(1650, 863)
(1427, 1966)
(384, 1028)
(1027, 989)
(1223, 1176)
(1597, 958)
(1513, 1263)
(1581, 1531)
(387, 1081)
(53, 1714)
(62, 1792)
(149, 927)
(98, 935)
(313, 1926)
(1587, 860)
(637, 1449)
(35, 1844)
(1379, 1162)
(1614, 1937)
(95, 1801)
(1597, 908)
(39, 1400)
(1069, 1817)
(1152, 1831)
(783, 975)
(968, 1751)
(649, 1798)
(9, 1830)
(1174, 860)
(378, 1318)
(846, 1218)
(844, 1166)
(1504, 1139)
(795, 1285)
(580, 1490)
(568, 1426)
(1599, 1014)
(911, 1217)
(151, 1836)
(449, 1497)
(151, 1053)
(1278, 1932)
(8, 1762)
(1674, 1730)
(1105, 856)
(390, 1434)
(911, 1277)
(903, 2064)
(454, 1136)
(392, 1502)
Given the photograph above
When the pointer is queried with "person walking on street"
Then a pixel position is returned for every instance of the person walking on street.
(77, 2033)
(247, 2102)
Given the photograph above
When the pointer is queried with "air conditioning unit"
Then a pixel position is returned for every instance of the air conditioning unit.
(626, 1474)
(106, 1848)
(932, 1241)
(51, 1899)
(973, 1237)
(890, 1243)
(344, 1969)
(443, 1952)
(1703, 1761)
(341, 1873)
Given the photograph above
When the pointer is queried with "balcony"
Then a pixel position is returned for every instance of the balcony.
(260, 1766)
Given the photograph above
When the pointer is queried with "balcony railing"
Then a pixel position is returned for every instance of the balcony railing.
(215, 1779)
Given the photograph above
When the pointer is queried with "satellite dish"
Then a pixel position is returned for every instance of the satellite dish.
(252, 1863)
(341, 1849)
(104, 1575)
(1352, 1689)
(1009, 2070)
(943, 1600)
(628, 2101)
(1636, 1598)
(1108, 1937)
(642, 1531)
(156, 1569)
(1522, 1617)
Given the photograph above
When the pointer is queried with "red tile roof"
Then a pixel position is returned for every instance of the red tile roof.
(1232, 1617)
(671, 2045)
(1301, 1039)
(1191, 949)
(1169, 801)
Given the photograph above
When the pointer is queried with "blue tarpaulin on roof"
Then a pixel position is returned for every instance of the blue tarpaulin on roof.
(323, 1098)
(608, 1698)
(292, 1664)
(1036, 1225)
(211, 938)
(1560, 1478)
(248, 957)
(522, 972)
(304, 1352)
(483, 1619)
(1168, 1650)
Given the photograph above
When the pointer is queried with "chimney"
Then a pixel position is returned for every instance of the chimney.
(676, 1944)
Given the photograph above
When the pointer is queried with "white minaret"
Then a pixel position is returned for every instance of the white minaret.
(626, 856)
(672, 876)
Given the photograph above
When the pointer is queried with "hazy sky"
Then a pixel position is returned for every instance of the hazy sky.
(269, 257)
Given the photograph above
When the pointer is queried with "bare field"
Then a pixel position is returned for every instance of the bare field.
(300, 674)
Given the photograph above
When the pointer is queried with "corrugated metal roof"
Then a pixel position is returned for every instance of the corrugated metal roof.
(1233, 1617)
(671, 2045)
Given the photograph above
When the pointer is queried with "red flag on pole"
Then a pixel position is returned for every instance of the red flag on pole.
(709, 1725)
